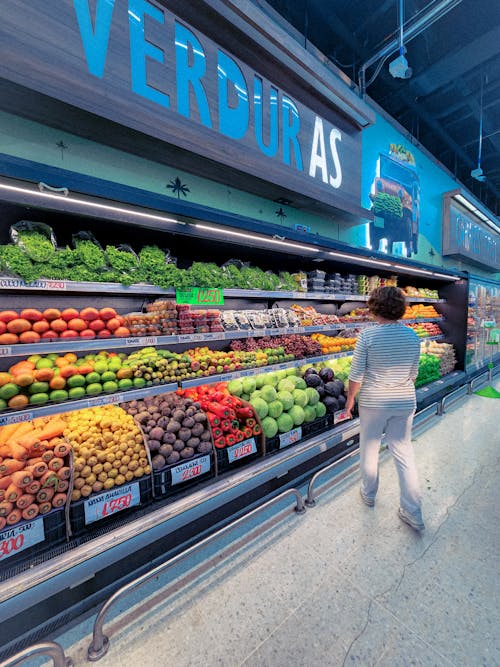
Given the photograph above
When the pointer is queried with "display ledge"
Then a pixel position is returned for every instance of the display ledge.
(57, 571)
(83, 344)
(10, 283)
(17, 416)
(441, 337)
(438, 385)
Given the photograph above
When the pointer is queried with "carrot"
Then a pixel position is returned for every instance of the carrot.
(30, 512)
(2, 495)
(59, 499)
(34, 487)
(61, 450)
(45, 494)
(45, 507)
(53, 429)
(6, 508)
(28, 440)
(8, 466)
(49, 478)
(47, 455)
(56, 464)
(63, 485)
(6, 432)
(13, 493)
(5, 482)
(38, 468)
(14, 451)
(53, 442)
(24, 427)
(14, 517)
(3, 523)
(25, 501)
(64, 473)
(22, 477)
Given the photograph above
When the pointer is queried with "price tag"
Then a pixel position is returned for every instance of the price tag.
(212, 336)
(190, 470)
(16, 419)
(111, 502)
(241, 449)
(5, 351)
(439, 381)
(340, 416)
(141, 340)
(105, 400)
(228, 376)
(290, 438)
(200, 296)
(17, 539)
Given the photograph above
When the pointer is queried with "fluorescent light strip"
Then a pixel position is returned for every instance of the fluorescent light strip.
(473, 209)
(90, 204)
(262, 239)
(444, 275)
(413, 270)
(353, 258)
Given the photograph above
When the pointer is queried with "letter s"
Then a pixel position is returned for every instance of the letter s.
(337, 181)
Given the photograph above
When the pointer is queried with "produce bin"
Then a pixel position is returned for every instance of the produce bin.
(179, 476)
(101, 508)
(239, 454)
(296, 435)
(24, 539)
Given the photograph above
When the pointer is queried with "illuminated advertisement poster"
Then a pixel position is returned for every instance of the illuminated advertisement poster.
(395, 202)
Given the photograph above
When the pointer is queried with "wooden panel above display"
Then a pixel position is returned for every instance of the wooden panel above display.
(187, 101)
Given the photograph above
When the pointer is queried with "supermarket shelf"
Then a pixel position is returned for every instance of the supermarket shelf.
(83, 344)
(16, 416)
(226, 377)
(423, 338)
(445, 382)
(420, 320)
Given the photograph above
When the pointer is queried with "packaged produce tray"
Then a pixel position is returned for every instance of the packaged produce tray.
(100, 508)
(20, 541)
(178, 476)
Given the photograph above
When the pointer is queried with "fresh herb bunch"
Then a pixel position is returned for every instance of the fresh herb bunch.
(36, 245)
(89, 254)
(14, 260)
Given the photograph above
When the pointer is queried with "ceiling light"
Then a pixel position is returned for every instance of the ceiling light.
(354, 258)
(262, 239)
(445, 275)
(412, 269)
(90, 204)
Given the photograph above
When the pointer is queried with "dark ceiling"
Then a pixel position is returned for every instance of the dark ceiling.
(441, 103)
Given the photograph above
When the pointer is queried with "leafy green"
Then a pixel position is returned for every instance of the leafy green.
(14, 260)
(89, 254)
(36, 245)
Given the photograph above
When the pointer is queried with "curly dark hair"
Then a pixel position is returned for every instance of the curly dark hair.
(387, 302)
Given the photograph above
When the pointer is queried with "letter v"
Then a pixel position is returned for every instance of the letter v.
(95, 40)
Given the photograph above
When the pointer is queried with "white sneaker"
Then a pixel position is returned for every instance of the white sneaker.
(367, 501)
(412, 521)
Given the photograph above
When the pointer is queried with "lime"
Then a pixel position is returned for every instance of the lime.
(9, 390)
(115, 365)
(44, 362)
(77, 392)
(94, 389)
(39, 399)
(34, 358)
(52, 356)
(92, 377)
(108, 376)
(76, 381)
(110, 386)
(58, 395)
(139, 383)
(39, 388)
(126, 383)
(100, 367)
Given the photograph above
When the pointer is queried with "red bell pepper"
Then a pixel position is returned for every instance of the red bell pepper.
(226, 425)
(248, 432)
(250, 422)
(219, 410)
(239, 435)
(220, 443)
(230, 439)
(213, 419)
(217, 432)
(257, 430)
(244, 413)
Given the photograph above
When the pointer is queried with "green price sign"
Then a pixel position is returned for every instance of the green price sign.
(200, 296)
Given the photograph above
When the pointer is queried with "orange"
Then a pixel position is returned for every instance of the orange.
(70, 357)
(61, 361)
(57, 382)
(5, 378)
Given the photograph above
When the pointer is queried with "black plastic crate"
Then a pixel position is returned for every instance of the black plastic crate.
(239, 454)
(307, 430)
(312, 428)
(108, 504)
(47, 530)
(177, 476)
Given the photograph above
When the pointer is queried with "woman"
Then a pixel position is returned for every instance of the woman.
(385, 366)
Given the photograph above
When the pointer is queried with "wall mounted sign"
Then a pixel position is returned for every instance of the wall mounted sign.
(136, 63)
(466, 239)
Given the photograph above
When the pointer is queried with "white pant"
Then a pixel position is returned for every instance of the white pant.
(397, 426)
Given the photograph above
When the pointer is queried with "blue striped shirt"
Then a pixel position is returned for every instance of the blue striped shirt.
(385, 361)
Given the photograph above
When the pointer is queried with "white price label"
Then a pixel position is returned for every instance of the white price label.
(340, 416)
(290, 438)
(105, 400)
(16, 419)
(190, 470)
(185, 338)
(211, 336)
(5, 351)
(141, 340)
(111, 502)
(17, 539)
(241, 449)
(228, 376)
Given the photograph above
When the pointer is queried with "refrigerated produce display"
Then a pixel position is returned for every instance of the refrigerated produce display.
(483, 314)
(124, 389)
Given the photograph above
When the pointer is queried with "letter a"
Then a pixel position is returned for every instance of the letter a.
(318, 157)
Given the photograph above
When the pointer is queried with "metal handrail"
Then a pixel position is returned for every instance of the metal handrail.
(453, 396)
(310, 499)
(51, 649)
(100, 642)
(483, 377)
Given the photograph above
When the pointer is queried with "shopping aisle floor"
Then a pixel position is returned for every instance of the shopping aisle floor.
(345, 584)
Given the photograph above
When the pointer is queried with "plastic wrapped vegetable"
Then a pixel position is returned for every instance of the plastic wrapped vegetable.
(35, 239)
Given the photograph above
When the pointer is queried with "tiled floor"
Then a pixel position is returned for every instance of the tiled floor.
(344, 584)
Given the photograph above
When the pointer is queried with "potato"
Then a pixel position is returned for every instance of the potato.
(187, 453)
